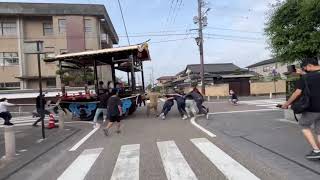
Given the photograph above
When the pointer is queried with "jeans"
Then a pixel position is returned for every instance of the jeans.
(98, 112)
(166, 108)
(182, 109)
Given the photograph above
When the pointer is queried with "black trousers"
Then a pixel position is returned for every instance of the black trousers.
(182, 109)
(201, 108)
(42, 115)
(6, 116)
(167, 107)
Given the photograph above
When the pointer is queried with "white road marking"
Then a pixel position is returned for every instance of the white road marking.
(127, 165)
(267, 105)
(288, 121)
(175, 165)
(81, 166)
(256, 110)
(228, 166)
(193, 122)
(76, 146)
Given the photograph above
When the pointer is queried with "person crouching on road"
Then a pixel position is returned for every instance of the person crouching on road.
(233, 97)
(181, 104)
(114, 112)
(166, 107)
(311, 116)
(190, 106)
(102, 108)
(4, 113)
(198, 98)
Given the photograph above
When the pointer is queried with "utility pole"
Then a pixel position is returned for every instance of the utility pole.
(201, 20)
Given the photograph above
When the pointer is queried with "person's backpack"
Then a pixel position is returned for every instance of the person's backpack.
(303, 102)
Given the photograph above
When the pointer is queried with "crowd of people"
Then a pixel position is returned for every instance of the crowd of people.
(188, 105)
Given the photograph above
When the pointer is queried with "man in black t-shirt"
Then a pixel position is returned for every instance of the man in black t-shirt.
(312, 116)
(114, 111)
(102, 108)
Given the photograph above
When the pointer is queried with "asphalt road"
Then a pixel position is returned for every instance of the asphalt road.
(249, 144)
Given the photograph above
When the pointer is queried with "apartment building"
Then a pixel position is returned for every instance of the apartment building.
(63, 28)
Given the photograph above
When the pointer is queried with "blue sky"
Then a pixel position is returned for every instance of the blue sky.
(234, 33)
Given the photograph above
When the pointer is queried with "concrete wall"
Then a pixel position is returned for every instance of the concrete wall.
(214, 90)
(258, 88)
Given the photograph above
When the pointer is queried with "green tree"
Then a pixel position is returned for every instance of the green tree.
(294, 30)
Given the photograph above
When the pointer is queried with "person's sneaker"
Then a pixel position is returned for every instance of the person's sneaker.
(118, 131)
(313, 155)
(8, 124)
(106, 132)
(35, 125)
(163, 117)
(185, 117)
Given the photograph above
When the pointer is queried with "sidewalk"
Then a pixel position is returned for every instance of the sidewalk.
(30, 146)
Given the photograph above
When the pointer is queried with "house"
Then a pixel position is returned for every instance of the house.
(224, 73)
(164, 80)
(267, 67)
(63, 28)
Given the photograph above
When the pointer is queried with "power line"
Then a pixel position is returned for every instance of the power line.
(124, 23)
(171, 40)
(235, 40)
(236, 30)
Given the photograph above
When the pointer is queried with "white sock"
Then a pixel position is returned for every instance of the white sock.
(316, 150)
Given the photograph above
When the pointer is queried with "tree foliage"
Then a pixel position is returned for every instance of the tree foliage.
(294, 30)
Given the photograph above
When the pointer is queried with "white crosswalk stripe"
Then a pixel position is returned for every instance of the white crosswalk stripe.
(175, 165)
(127, 166)
(228, 166)
(81, 166)
(26, 120)
(269, 103)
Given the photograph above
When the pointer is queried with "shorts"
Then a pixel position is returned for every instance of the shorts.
(114, 118)
(309, 118)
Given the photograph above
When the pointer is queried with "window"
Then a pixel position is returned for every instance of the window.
(62, 25)
(87, 25)
(8, 28)
(47, 29)
(11, 85)
(51, 83)
(267, 68)
(9, 58)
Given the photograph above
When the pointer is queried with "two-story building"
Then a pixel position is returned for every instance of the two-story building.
(267, 67)
(63, 28)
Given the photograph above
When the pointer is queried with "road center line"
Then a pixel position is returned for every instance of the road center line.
(76, 146)
(175, 165)
(81, 166)
(193, 122)
(127, 165)
(228, 166)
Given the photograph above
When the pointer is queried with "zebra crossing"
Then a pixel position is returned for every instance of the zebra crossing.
(175, 165)
(26, 120)
(265, 103)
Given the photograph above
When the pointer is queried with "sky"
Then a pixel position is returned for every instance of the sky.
(234, 34)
